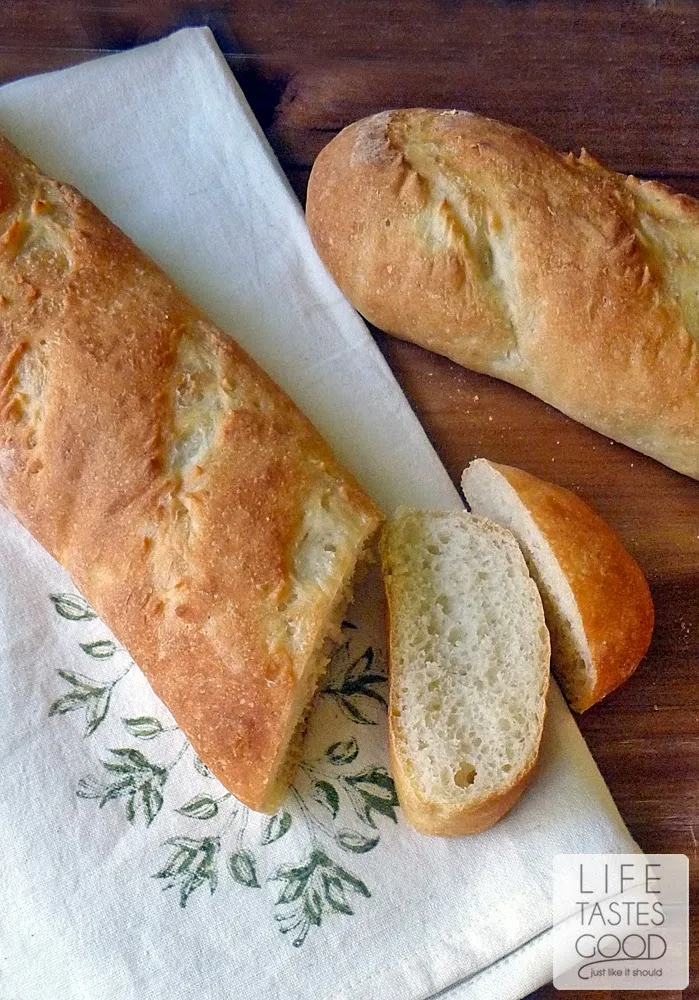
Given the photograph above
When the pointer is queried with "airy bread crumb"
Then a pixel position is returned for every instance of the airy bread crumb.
(469, 655)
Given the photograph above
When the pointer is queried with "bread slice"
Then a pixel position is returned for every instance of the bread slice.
(469, 669)
(597, 603)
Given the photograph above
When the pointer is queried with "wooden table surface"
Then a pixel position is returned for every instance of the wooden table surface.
(620, 78)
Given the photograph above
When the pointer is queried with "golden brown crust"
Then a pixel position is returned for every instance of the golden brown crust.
(184, 492)
(608, 586)
(478, 241)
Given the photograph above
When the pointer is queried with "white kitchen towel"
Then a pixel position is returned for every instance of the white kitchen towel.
(128, 872)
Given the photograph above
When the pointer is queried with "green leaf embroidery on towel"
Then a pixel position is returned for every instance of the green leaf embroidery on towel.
(275, 827)
(191, 865)
(308, 888)
(241, 865)
(130, 776)
(100, 650)
(73, 607)
(83, 693)
(350, 840)
(335, 805)
(201, 767)
(372, 792)
(200, 807)
(342, 753)
(354, 685)
(145, 727)
(326, 794)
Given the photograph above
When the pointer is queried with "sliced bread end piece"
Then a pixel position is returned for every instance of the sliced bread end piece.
(469, 669)
(597, 603)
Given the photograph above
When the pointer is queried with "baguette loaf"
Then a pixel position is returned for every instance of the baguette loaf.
(196, 508)
(469, 669)
(597, 604)
(478, 241)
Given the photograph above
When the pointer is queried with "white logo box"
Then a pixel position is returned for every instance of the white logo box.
(621, 921)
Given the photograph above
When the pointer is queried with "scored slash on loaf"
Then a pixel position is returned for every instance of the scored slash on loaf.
(479, 242)
(195, 507)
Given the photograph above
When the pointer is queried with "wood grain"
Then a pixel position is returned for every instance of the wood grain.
(618, 77)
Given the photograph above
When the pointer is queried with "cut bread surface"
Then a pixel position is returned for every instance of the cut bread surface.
(469, 655)
(597, 604)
